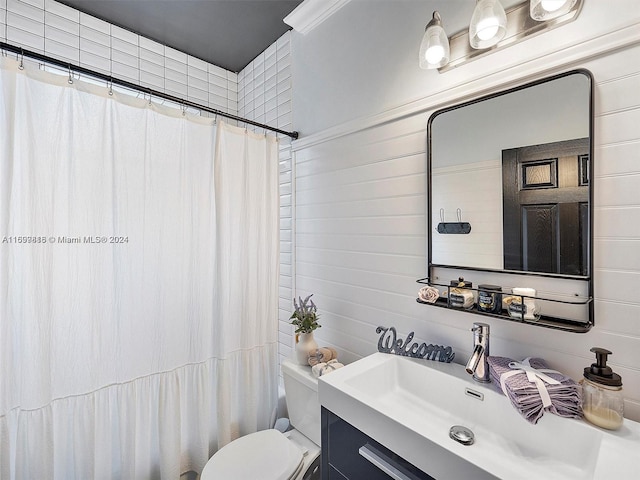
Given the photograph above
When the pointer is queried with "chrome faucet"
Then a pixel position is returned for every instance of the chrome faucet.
(477, 364)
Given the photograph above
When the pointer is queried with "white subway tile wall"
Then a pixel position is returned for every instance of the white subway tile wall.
(51, 28)
(264, 95)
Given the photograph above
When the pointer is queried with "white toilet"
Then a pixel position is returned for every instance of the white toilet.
(269, 454)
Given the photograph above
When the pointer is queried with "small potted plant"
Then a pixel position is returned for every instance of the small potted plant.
(305, 319)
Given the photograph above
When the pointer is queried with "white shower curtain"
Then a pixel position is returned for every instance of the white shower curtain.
(138, 283)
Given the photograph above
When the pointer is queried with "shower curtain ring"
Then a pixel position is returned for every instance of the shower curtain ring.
(70, 76)
(21, 66)
(110, 85)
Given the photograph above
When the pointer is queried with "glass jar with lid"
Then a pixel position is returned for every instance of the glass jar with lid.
(602, 400)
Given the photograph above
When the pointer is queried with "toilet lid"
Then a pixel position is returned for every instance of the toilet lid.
(267, 454)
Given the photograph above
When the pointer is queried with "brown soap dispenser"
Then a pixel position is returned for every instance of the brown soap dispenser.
(602, 401)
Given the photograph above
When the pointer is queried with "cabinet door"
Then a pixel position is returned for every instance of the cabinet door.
(350, 454)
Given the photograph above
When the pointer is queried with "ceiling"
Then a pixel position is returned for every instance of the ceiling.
(226, 33)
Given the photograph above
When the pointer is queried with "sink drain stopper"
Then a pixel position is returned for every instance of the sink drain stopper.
(462, 435)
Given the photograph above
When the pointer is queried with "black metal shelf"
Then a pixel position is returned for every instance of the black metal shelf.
(540, 321)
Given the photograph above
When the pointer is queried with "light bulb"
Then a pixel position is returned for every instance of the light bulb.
(542, 10)
(434, 54)
(552, 5)
(487, 28)
(488, 24)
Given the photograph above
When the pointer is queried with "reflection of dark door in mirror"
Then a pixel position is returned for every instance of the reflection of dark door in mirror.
(546, 207)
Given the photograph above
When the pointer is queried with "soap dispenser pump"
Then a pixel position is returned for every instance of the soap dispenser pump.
(602, 401)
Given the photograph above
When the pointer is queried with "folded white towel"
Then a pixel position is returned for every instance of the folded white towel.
(323, 368)
(322, 354)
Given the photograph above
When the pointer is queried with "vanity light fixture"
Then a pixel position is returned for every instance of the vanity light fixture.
(488, 24)
(542, 10)
(434, 49)
(491, 29)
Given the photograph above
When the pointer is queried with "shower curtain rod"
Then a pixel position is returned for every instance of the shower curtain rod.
(123, 83)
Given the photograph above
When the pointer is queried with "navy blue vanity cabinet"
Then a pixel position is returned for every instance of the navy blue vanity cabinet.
(349, 454)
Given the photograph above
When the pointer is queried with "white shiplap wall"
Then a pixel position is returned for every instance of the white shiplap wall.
(264, 95)
(361, 244)
(56, 30)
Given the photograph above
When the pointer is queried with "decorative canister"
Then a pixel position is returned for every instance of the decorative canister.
(489, 298)
(523, 303)
(459, 294)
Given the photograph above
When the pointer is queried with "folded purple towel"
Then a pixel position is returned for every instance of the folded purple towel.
(550, 390)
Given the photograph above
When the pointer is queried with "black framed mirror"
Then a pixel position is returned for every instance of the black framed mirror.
(510, 198)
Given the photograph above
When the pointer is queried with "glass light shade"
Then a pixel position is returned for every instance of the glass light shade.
(434, 49)
(542, 10)
(488, 24)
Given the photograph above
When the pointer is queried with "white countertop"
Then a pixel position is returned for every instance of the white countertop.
(408, 405)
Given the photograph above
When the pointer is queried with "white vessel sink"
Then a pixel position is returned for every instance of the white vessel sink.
(409, 405)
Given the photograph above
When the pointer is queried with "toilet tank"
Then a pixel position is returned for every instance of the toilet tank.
(301, 393)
